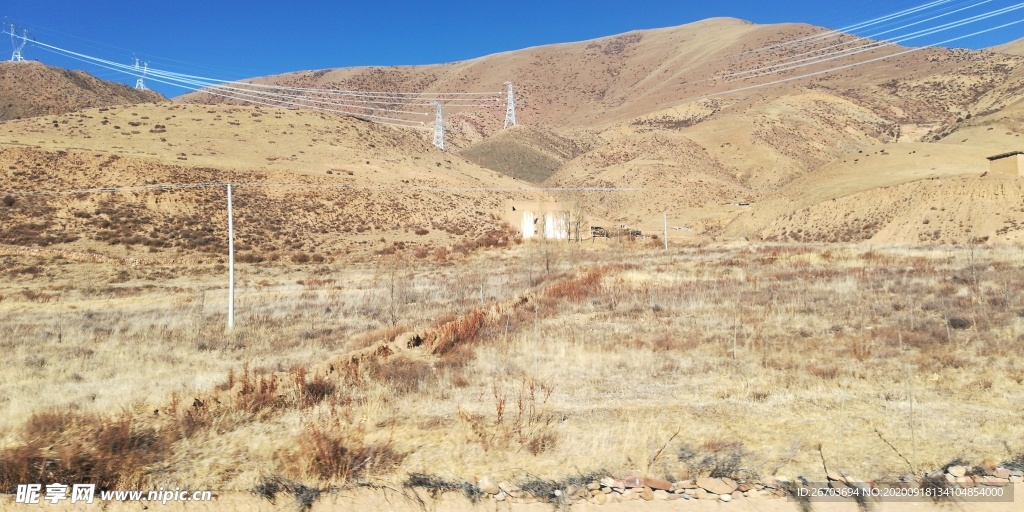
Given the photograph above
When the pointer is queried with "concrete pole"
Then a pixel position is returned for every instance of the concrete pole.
(665, 214)
(231, 264)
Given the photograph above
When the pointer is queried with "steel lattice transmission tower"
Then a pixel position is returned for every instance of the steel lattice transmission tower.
(140, 83)
(18, 44)
(439, 127)
(510, 107)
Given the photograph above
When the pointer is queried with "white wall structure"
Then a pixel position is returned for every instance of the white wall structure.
(556, 225)
(529, 225)
(550, 225)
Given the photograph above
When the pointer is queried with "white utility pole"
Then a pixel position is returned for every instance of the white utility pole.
(439, 128)
(231, 264)
(510, 107)
(666, 229)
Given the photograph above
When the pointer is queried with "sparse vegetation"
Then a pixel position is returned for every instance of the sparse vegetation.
(736, 331)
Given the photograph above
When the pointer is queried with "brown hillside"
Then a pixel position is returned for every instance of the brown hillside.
(307, 183)
(31, 89)
(1013, 47)
(525, 152)
(648, 111)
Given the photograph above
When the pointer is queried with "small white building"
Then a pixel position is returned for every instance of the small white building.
(1011, 163)
(550, 225)
(546, 220)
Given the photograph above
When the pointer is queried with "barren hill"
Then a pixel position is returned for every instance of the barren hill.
(306, 183)
(1013, 47)
(669, 115)
(30, 89)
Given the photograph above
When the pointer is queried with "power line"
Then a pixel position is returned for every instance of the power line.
(869, 39)
(855, 64)
(353, 103)
(786, 66)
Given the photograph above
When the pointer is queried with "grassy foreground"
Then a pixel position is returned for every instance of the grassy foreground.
(539, 362)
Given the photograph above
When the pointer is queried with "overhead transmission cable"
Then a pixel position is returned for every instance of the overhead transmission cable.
(269, 102)
(800, 63)
(876, 59)
(857, 26)
(867, 39)
(277, 99)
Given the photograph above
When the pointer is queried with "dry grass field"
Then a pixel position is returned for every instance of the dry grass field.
(536, 363)
(843, 294)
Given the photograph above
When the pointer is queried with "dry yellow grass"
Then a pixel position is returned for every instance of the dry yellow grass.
(741, 359)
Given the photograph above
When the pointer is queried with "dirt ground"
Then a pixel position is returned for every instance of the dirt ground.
(402, 501)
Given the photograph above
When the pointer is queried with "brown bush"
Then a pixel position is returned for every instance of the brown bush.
(332, 449)
(461, 330)
(67, 447)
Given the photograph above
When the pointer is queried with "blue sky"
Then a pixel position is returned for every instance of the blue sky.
(236, 39)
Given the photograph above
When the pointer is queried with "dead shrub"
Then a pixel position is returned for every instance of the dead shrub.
(527, 424)
(334, 449)
(716, 458)
(436, 486)
(67, 447)
(826, 371)
(460, 330)
(312, 392)
(402, 375)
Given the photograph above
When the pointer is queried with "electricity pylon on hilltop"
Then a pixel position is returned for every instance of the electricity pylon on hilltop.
(510, 107)
(140, 83)
(438, 127)
(18, 43)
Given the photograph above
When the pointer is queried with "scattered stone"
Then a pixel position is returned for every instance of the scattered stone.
(725, 497)
(1016, 479)
(717, 485)
(673, 497)
(753, 493)
(657, 484)
(593, 486)
(835, 477)
(1002, 473)
(500, 496)
(1017, 472)
(701, 494)
(611, 482)
(684, 484)
(632, 482)
(744, 487)
(511, 490)
(600, 498)
(957, 471)
(994, 481)
(965, 481)
(647, 494)
(737, 495)
(487, 486)
(663, 495)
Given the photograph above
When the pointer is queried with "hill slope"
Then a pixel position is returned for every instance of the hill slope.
(1013, 47)
(31, 89)
(306, 183)
(652, 111)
